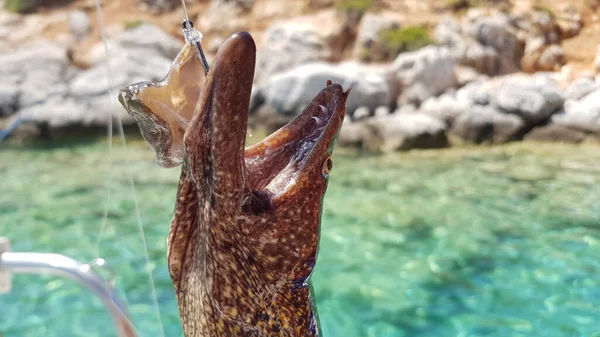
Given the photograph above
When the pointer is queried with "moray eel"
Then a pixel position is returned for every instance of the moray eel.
(244, 236)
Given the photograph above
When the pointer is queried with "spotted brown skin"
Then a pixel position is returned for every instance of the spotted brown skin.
(245, 232)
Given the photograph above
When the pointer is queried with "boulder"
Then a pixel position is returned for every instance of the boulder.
(543, 57)
(569, 29)
(126, 69)
(424, 73)
(499, 32)
(305, 39)
(382, 111)
(368, 45)
(581, 87)
(448, 32)
(406, 109)
(581, 115)
(543, 24)
(477, 93)
(9, 100)
(555, 133)
(34, 73)
(220, 20)
(533, 98)
(445, 107)
(245, 4)
(353, 134)
(288, 93)
(465, 49)
(360, 113)
(486, 124)
(483, 58)
(58, 112)
(403, 132)
(80, 24)
(143, 40)
(158, 6)
(465, 75)
(597, 60)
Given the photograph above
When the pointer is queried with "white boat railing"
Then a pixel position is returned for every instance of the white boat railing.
(60, 265)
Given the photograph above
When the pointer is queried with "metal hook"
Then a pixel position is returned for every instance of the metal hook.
(193, 36)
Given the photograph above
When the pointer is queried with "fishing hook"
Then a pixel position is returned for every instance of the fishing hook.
(193, 36)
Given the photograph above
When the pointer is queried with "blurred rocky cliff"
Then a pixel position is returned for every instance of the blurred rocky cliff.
(424, 74)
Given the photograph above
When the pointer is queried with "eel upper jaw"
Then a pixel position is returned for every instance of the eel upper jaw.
(215, 138)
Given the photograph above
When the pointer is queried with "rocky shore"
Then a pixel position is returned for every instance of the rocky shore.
(484, 76)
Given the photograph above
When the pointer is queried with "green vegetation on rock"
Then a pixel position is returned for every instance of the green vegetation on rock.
(356, 5)
(546, 10)
(133, 24)
(399, 40)
(459, 5)
(20, 6)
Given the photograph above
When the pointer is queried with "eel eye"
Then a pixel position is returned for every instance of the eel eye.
(327, 166)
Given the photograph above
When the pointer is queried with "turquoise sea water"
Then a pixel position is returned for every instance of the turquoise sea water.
(461, 242)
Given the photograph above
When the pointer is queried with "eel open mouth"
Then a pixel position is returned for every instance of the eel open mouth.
(205, 118)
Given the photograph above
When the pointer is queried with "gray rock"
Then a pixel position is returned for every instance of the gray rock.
(448, 32)
(482, 124)
(534, 99)
(146, 39)
(158, 6)
(9, 100)
(465, 75)
(61, 112)
(406, 109)
(498, 31)
(483, 58)
(300, 40)
(581, 115)
(403, 132)
(382, 111)
(37, 72)
(368, 40)
(424, 73)
(221, 19)
(353, 134)
(445, 107)
(361, 113)
(466, 48)
(80, 24)
(246, 4)
(552, 58)
(125, 69)
(581, 87)
(543, 24)
(479, 93)
(289, 92)
(569, 29)
(597, 60)
(555, 133)
(535, 44)
(56, 112)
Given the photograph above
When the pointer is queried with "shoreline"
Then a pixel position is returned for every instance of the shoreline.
(134, 138)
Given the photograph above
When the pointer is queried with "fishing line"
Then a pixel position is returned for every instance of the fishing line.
(130, 172)
(185, 14)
